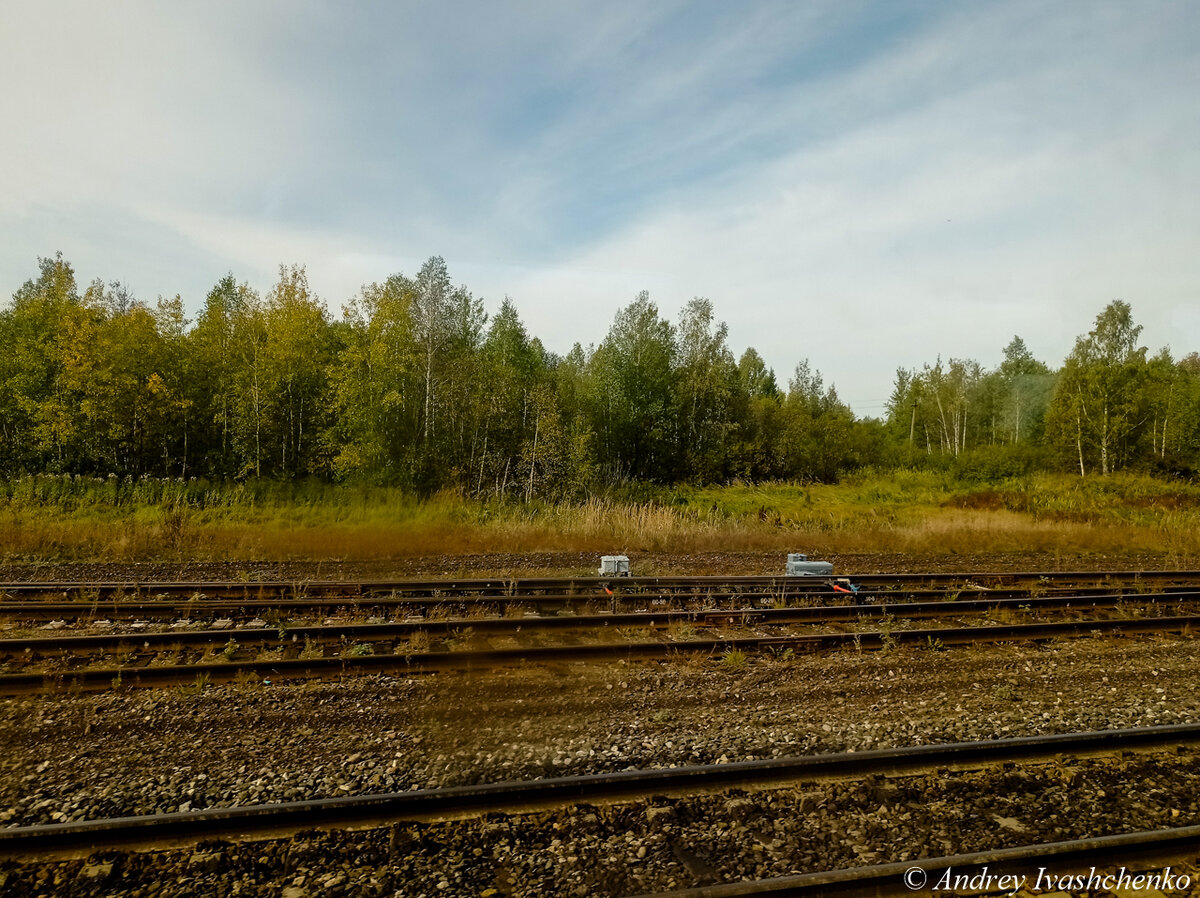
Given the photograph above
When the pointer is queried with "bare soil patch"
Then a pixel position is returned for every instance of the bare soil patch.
(532, 564)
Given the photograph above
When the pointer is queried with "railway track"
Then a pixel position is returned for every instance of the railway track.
(500, 588)
(284, 634)
(589, 617)
(407, 662)
(283, 602)
(160, 830)
(463, 620)
(166, 609)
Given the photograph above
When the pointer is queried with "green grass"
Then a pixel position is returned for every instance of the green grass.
(50, 518)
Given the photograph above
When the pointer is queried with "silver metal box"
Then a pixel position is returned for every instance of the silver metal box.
(798, 565)
(614, 566)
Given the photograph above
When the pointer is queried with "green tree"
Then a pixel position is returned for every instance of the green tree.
(575, 471)
(448, 326)
(1183, 455)
(120, 375)
(902, 406)
(249, 389)
(172, 422)
(556, 460)
(296, 352)
(377, 384)
(36, 425)
(706, 386)
(932, 406)
(431, 311)
(758, 418)
(756, 378)
(632, 398)
(221, 344)
(512, 366)
(1097, 408)
(1026, 386)
(817, 429)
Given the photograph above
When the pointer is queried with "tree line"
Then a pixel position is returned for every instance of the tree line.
(416, 385)
(1108, 407)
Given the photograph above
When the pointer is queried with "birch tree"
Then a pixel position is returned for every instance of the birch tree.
(1097, 408)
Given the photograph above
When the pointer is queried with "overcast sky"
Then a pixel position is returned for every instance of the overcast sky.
(866, 185)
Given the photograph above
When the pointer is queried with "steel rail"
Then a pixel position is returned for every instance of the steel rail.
(889, 879)
(412, 588)
(517, 796)
(284, 636)
(123, 609)
(126, 608)
(92, 679)
(591, 584)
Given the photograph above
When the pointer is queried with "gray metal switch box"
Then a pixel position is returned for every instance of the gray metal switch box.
(614, 566)
(798, 565)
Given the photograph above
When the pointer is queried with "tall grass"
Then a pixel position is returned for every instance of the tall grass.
(49, 518)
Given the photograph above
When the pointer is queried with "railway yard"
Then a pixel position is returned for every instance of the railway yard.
(440, 730)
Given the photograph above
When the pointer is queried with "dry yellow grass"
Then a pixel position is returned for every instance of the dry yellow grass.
(907, 513)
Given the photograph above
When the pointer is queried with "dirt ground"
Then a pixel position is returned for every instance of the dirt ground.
(565, 563)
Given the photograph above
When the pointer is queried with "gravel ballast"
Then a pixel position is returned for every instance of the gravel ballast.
(71, 757)
(645, 847)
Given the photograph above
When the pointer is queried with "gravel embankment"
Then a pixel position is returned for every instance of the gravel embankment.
(86, 756)
(667, 844)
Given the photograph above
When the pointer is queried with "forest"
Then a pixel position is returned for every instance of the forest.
(415, 386)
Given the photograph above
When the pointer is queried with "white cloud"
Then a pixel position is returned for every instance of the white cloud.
(944, 227)
(863, 192)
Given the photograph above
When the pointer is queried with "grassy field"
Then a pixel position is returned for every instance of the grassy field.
(49, 518)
